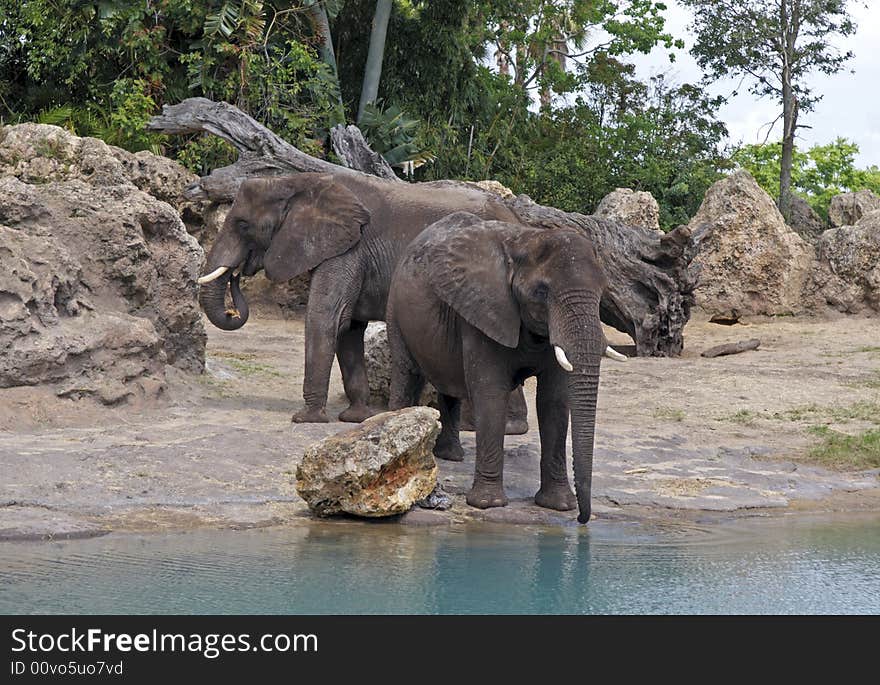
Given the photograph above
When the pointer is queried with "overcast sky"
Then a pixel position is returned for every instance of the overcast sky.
(850, 107)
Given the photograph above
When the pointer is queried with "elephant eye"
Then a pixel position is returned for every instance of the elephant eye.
(539, 292)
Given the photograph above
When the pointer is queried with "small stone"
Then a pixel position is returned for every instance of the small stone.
(380, 468)
(437, 499)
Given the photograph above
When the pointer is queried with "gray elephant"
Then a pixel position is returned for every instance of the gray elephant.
(478, 306)
(349, 230)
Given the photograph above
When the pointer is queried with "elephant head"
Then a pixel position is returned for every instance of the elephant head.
(286, 225)
(511, 281)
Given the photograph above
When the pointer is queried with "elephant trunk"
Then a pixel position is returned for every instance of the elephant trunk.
(576, 334)
(212, 297)
(583, 390)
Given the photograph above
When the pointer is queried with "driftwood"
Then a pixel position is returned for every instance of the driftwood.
(732, 348)
(650, 292)
(349, 145)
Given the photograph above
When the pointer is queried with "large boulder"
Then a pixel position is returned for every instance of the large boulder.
(39, 153)
(749, 261)
(380, 468)
(98, 284)
(846, 209)
(846, 274)
(805, 221)
(631, 208)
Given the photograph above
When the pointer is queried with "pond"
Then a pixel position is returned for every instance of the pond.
(787, 565)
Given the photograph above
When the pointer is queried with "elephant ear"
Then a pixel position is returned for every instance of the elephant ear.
(469, 270)
(323, 220)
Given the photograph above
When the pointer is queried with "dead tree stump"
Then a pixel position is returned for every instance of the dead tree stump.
(650, 292)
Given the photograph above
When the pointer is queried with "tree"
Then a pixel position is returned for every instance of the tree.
(775, 43)
(373, 68)
(539, 41)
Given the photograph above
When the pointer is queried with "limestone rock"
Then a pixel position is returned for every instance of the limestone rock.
(805, 221)
(848, 208)
(631, 208)
(97, 277)
(380, 468)
(749, 261)
(846, 274)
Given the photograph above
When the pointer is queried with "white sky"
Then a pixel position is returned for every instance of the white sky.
(850, 107)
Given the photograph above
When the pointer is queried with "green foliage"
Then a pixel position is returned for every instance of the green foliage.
(846, 452)
(757, 37)
(818, 174)
(103, 68)
(392, 135)
(131, 110)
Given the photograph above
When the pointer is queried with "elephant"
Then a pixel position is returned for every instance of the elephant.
(349, 230)
(477, 306)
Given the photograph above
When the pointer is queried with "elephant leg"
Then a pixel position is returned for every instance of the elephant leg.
(407, 380)
(350, 355)
(488, 387)
(331, 298)
(448, 446)
(552, 406)
(517, 414)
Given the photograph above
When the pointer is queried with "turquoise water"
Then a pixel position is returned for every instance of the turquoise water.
(778, 566)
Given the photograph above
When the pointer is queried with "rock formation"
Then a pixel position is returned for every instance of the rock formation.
(749, 261)
(98, 290)
(380, 468)
(846, 274)
(805, 221)
(847, 209)
(631, 208)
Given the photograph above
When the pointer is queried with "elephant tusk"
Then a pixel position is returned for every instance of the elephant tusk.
(615, 355)
(215, 274)
(562, 359)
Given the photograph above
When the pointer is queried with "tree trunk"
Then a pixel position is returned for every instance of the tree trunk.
(789, 25)
(650, 292)
(373, 68)
(328, 56)
(789, 118)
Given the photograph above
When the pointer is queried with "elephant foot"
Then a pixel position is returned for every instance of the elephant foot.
(558, 496)
(450, 451)
(485, 495)
(307, 415)
(357, 413)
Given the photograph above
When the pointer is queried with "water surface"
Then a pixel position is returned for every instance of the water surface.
(804, 565)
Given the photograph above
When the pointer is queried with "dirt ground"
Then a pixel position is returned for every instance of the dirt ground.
(691, 436)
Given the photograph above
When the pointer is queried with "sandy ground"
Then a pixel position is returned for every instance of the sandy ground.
(686, 437)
